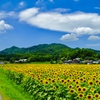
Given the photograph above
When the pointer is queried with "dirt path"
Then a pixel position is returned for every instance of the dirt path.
(0, 97)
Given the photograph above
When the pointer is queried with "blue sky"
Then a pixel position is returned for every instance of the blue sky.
(75, 23)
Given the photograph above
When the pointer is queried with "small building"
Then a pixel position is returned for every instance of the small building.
(95, 62)
(88, 61)
(65, 62)
(78, 59)
(69, 61)
(23, 60)
(2, 63)
(82, 62)
(75, 61)
(16, 61)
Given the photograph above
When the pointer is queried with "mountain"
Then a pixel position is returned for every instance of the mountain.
(48, 52)
(12, 50)
(41, 48)
(54, 48)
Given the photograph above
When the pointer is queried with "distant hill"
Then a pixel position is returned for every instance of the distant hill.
(48, 52)
(41, 48)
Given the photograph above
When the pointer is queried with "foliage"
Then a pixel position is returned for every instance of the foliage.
(9, 90)
(48, 52)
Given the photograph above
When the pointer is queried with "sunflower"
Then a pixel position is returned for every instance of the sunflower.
(90, 82)
(77, 86)
(79, 89)
(97, 95)
(58, 79)
(70, 86)
(81, 79)
(77, 82)
(84, 89)
(96, 81)
(65, 82)
(73, 80)
(84, 80)
(92, 90)
(49, 79)
(80, 95)
(62, 81)
(72, 91)
(53, 81)
(94, 78)
(99, 83)
(41, 81)
(54, 87)
(45, 81)
(89, 97)
(68, 81)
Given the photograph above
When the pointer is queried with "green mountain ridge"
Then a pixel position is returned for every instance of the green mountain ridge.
(42, 48)
(48, 52)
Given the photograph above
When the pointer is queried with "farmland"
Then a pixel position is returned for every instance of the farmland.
(56, 81)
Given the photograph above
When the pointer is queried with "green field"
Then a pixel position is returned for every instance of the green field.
(9, 90)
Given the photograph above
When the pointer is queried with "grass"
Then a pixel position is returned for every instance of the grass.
(9, 90)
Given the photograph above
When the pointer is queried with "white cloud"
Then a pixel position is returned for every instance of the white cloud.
(2, 14)
(78, 23)
(28, 14)
(7, 14)
(4, 26)
(69, 37)
(11, 14)
(93, 37)
(22, 3)
(39, 2)
(61, 10)
(83, 30)
(43, 2)
(93, 45)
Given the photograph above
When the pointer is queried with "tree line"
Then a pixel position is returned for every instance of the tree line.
(83, 54)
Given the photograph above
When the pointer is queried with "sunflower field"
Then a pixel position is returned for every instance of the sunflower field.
(56, 81)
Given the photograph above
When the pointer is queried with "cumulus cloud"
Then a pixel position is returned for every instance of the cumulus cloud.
(93, 37)
(83, 30)
(4, 26)
(78, 23)
(69, 37)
